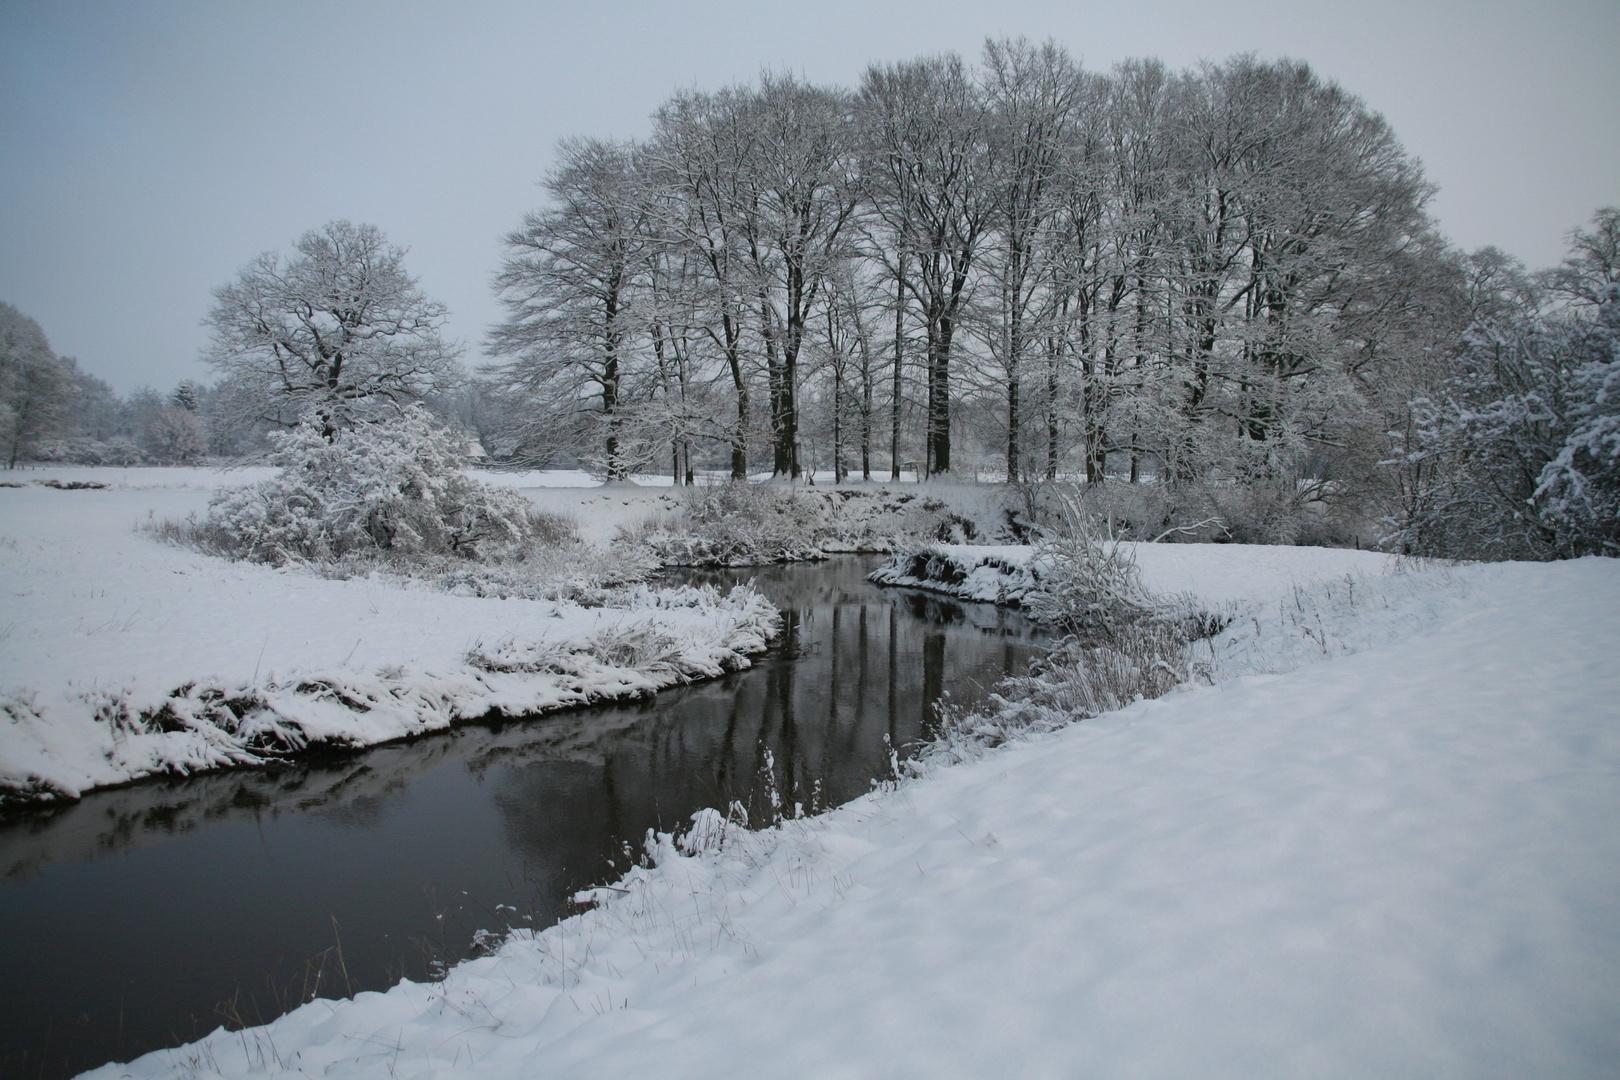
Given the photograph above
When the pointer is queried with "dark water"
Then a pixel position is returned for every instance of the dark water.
(149, 915)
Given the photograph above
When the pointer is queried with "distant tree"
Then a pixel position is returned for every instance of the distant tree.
(174, 436)
(36, 389)
(1034, 98)
(94, 413)
(186, 396)
(339, 331)
(1593, 266)
(697, 158)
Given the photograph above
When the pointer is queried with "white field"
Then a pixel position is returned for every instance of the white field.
(102, 623)
(1385, 843)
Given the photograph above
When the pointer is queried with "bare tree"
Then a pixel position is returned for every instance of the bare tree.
(697, 159)
(925, 166)
(1033, 96)
(569, 284)
(339, 330)
(802, 182)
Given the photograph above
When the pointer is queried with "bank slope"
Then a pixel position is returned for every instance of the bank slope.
(1399, 858)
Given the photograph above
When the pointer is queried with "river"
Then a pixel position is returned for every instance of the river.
(147, 915)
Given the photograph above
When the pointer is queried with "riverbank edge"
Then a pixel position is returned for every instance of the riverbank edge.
(205, 725)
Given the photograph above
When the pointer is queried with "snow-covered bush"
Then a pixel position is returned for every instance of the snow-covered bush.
(397, 486)
(737, 525)
(746, 525)
(1075, 681)
(1087, 581)
(85, 451)
(1253, 509)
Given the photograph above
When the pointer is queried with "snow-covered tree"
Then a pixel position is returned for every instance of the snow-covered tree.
(697, 158)
(569, 285)
(1035, 98)
(926, 164)
(339, 330)
(1523, 442)
(36, 389)
(1213, 274)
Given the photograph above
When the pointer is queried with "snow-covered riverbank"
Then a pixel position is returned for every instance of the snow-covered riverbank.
(1218, 577)
(1388, 843)
(121, 656)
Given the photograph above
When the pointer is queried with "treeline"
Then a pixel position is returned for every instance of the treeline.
(1223, 272)
(1222, 280)
(51, 411)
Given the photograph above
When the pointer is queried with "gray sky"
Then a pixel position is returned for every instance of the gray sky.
(148, 150)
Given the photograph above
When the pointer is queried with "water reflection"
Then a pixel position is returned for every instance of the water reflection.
(129, 917)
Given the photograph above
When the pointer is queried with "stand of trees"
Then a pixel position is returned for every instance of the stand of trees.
(1221, 279)
(1029, 266)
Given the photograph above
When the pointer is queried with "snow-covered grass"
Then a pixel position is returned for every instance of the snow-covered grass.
(1386, 842)
(121, 656)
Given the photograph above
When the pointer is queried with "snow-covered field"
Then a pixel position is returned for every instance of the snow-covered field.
(122, 656)
(1387, 843)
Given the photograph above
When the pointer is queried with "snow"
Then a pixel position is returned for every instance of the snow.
(1387, 843)
(1219, 577)
(228, 661)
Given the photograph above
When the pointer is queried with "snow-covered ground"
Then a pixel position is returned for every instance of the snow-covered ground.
(122, 656)
(1387, 843)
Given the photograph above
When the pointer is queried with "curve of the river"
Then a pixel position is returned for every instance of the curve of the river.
(146, 916)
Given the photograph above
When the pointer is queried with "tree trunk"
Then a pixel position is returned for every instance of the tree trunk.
(899, 356)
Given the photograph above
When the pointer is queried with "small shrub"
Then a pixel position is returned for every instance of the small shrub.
(1077, 680)
(1087, 580)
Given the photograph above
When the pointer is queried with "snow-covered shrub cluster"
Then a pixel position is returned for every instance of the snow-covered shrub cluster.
(736, 525)
(1077, 680)
(87, 451)
(746, 525)
(396, 487)
(1180, 645)
(1525, 442)
(1220, 509)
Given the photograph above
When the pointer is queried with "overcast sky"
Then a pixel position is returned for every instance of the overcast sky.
(149, 150)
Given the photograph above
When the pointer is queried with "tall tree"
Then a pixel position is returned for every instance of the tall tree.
(697, 155)
(1033, 98)
(925, 166)
(801, 183)
(568, 284)
(339, 330)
